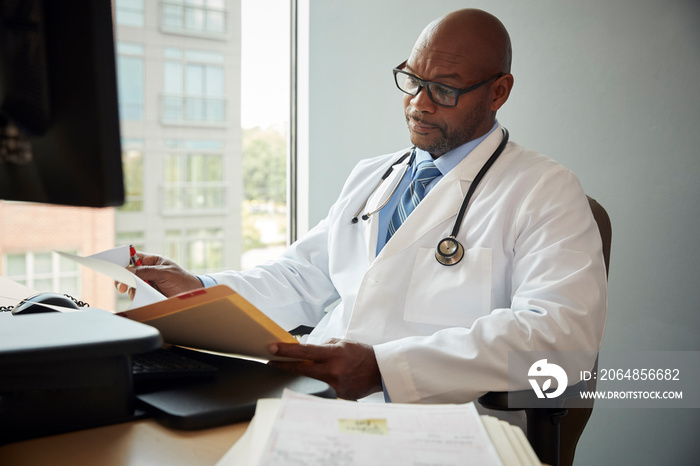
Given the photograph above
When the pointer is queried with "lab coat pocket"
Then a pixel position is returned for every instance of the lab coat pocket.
(451, 296)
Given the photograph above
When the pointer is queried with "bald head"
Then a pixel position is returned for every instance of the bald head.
(469, 34)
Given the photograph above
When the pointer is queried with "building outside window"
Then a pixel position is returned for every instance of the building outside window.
(129, 12)
(30, 233)
(132, 238)
(194, 16)
(130, 80)
(132, 165)
(43, 271)
(214, 128)
(200, 250)
(194, 179)
(193, 87)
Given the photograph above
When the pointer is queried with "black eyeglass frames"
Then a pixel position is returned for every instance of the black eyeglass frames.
(441, 94)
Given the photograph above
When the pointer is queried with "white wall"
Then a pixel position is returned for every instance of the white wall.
(607, 87)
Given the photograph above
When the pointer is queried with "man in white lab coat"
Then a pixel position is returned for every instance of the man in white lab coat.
(532, 277)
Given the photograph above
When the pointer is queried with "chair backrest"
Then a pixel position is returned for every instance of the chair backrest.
(605, 227)
(575, 421)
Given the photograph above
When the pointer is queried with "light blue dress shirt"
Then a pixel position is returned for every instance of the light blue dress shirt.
(444, 163)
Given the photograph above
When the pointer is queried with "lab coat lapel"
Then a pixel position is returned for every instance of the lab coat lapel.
(444, 200)
(371, 226)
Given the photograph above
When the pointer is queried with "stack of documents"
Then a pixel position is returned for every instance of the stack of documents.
(307, 430)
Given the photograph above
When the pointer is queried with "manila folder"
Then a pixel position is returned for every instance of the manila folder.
(214, 319)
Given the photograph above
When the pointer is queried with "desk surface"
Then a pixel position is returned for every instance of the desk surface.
(138, 443)
(143, 442)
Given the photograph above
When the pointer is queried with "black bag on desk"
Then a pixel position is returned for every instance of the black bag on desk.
(67, 371)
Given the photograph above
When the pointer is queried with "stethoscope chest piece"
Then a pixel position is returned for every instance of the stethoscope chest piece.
(449, 251)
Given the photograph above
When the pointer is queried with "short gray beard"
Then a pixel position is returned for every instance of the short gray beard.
(460, 135)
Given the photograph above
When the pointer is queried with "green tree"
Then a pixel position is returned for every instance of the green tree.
(264, 165)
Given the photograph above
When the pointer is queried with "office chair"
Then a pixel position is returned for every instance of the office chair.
(554, 432)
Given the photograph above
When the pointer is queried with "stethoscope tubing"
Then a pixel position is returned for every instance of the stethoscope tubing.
(477, 180)
(449, 251)
(388, 172)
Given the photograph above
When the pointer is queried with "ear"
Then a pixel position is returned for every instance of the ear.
(500, 91)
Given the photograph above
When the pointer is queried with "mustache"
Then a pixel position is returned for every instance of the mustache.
(417, 118)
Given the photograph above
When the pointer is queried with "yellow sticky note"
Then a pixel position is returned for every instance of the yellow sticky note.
(363, 426)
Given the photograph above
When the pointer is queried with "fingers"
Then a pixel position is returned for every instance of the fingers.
(122, 288)
(145, 259)
(310, 359)
(165, 275)
(149, 273)
(151, 259)
(316, 353)
(349, 367)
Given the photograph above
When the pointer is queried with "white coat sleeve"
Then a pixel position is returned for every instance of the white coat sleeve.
(558, 303)
(294, 289)
(298, 287)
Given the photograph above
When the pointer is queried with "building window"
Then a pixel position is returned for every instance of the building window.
(198, 250)
(194, 177)
(132, 163)
(44, 271)
(130, 80)
(193, 87)
(194, 16)
(202, 74)
(131, 238)
(129, 12)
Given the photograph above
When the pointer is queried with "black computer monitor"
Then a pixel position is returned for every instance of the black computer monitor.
(59, 114)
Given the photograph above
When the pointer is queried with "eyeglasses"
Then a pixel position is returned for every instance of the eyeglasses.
(441, 94)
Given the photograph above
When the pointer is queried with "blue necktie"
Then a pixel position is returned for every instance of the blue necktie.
(425, 173)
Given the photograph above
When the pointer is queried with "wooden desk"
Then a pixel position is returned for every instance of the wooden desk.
(138, 443)
(143, 442)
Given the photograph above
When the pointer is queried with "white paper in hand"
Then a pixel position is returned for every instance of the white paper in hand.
(113, 263)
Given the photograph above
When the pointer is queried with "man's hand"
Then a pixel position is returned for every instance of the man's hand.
(347, 366)
(162, 274)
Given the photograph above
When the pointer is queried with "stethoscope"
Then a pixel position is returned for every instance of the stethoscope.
(449, 251)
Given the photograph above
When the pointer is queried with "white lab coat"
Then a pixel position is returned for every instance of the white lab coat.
(533, 276)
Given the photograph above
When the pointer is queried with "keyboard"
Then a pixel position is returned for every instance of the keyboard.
(166, 364)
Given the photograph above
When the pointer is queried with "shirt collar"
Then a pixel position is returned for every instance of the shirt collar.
(451, 159)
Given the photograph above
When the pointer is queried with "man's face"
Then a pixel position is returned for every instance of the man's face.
(437, 129)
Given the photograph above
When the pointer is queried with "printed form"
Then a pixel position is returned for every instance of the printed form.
(313, 431)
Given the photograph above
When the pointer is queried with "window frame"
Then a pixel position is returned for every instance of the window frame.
(56, 275)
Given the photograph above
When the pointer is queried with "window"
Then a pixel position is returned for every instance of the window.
(132, 163)
(132, 238)
(193, 179)
(194, 16)
(130, 80)
(44, 271)
(129, 12)
(265, 60)
(198, 250)
(193, 87)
